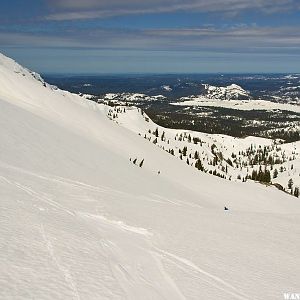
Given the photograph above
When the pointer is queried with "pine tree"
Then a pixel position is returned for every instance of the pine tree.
(141, 163)
(267, 177)
(296, 192)
(254, 175)
(290, 184)
(260, 174)
(198, 165)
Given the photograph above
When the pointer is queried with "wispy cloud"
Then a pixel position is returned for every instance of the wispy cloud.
(242, 39)
(236, 29)
(91, 9)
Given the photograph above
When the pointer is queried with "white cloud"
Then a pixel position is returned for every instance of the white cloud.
(89, 9)
(241, 38)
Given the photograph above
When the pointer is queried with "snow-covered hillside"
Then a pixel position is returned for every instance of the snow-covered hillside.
(80, 220)
(228, 157)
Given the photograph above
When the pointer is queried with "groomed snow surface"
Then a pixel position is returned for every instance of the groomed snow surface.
(80, 221)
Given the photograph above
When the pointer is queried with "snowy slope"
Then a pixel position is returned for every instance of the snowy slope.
(80, 221)
(236, 156)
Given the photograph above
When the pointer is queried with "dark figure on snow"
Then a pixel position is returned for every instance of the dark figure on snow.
(226, 208)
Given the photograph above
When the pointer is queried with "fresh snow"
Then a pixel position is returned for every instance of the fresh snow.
(80, 221)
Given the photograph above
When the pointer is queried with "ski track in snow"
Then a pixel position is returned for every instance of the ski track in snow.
(58, 179)
(123, 275)
(67, 275)
(212, 280)
(131, 261)
(118, 224)
(38, 196)
(177, 202)
(78, 184)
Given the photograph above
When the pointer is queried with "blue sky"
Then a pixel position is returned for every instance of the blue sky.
(157, 36)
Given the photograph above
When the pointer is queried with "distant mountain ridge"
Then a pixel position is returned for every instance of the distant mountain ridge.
(230, 92)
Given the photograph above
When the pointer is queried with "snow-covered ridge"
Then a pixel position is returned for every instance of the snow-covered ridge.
(220, 93)
(233, 97)
(230, 92)
(130, 97)
(10, 64)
